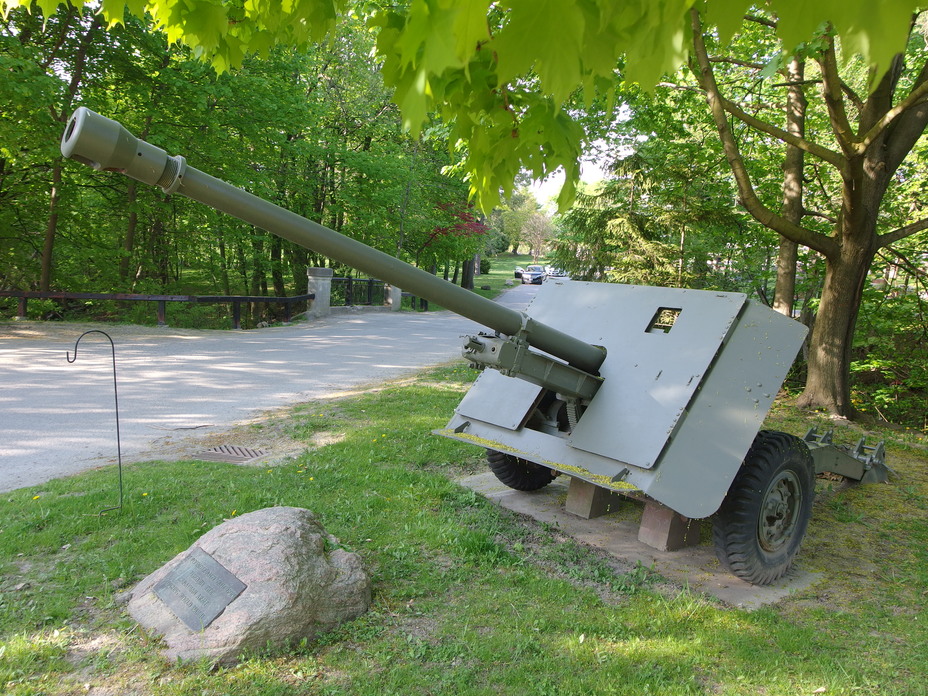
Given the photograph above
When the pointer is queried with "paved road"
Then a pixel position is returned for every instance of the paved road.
(57, 418)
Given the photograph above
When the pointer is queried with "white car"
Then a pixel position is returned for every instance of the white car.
(534, 275)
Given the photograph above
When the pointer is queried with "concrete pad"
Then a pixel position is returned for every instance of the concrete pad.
(695, 567)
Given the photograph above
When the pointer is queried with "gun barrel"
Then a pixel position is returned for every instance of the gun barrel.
(106, 145)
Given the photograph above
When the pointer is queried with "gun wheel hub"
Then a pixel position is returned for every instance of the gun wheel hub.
(780, 512)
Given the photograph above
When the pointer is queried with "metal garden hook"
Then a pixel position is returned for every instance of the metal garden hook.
(116, 399)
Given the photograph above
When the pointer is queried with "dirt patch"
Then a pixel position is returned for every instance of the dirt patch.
(270, 432)
(273, 431)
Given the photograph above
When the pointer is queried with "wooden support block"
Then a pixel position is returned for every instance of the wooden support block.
(665, 529)
(588, 500)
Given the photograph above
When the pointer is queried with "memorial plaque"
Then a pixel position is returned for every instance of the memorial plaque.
(198, 589)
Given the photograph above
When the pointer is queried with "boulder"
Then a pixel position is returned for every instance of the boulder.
(297, 584)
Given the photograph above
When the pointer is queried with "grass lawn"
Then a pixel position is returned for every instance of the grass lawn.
(468, 598)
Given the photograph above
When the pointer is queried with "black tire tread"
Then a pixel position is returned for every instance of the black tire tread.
(519, 474)
(734, 528)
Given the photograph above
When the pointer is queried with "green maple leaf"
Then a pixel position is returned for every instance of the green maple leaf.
(207, 24)
(427, 39)
(411, 95)
(113, 11)
(799, 19)
(878, 32)
(727, 15)
(657, 40)
(469, 25)
(48, 7)
(547, 34)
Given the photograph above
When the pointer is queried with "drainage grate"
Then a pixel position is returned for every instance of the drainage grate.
(230, 453)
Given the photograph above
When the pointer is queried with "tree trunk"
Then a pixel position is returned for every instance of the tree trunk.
(792, 209)
(467, 274)
(846, 269)
(159, 252)
(132, 197)
(299, 261)
(784, 292)
(224, 262)
(258, 276)
(51, 228)
(829, 358)
(277, 270)
(129, 241)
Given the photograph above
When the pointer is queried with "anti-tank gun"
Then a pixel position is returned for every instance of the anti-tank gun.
(658, 389)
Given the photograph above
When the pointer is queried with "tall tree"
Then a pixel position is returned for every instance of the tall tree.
(867, 140)
(313, 130)
(537, 231)
(663, 216)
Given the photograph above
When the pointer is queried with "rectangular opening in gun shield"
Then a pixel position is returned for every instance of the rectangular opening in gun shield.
(663, 320)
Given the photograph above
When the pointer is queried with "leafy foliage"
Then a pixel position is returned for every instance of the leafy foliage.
(503, 73)
(891, 360)
(850, 189)
(665, 216)
(510, 218)
(313, 131)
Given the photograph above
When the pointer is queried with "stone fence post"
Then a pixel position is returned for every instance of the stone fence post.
(320, 284)
(392, 297)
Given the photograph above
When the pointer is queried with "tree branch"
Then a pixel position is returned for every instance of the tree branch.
(885, 240)
(796, 83)
(830, 156)
(907, 128)
(918, 93)
(740, 63)
(880, 99)
(681, 88)
(824, 216)
(834, 100)
(747, 195)
(63, 34)
(853, 96)
(818, 180)
(911, 267)
(761, 20)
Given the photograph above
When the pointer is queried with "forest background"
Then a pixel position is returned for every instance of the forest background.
(315, 130)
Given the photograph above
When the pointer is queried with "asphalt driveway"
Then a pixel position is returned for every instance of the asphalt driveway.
(58, 418)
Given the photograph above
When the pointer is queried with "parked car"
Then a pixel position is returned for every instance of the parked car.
(534, 274)
(518, 272)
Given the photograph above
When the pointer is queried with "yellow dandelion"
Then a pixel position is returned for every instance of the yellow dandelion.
(144, 494)
(36, 497)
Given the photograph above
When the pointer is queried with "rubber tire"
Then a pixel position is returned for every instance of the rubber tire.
(517, 473)
(756, 547)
